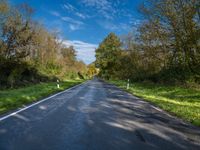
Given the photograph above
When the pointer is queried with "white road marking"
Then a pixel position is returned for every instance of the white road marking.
(23, 109)
(156, 108)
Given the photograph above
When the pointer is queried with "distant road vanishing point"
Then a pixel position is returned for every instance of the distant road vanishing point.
(96, 116)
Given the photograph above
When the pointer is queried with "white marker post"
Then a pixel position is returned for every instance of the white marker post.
(58, 86)
(127, 87)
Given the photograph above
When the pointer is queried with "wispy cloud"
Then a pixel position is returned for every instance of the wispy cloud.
(103, 7)
(85, 51)
(55, 13)
(113, 26)
(72, 23)
(71, 9)
(71, 20)
(73, 27)
(81, 15)
(108, 9)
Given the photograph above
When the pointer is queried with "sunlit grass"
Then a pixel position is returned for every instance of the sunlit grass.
(180, 101)
(15, 98)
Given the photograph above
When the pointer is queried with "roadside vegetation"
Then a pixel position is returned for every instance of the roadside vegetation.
(32, 59)
(161, 57)
(165, 47)
(16, 98)
(29, 53)
(183, 102)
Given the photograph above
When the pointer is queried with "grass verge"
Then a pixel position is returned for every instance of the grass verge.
(15, 98)
(179, 101)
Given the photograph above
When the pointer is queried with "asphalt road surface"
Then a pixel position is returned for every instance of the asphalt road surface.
(96, 116)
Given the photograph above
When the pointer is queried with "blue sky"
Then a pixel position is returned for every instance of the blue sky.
(84, 23)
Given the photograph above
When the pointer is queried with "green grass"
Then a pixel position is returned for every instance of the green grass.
(15, 98)
(179, 101)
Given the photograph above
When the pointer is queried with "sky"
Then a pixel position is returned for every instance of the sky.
(85, 23)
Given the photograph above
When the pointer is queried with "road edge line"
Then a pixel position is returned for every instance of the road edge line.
(38, 102)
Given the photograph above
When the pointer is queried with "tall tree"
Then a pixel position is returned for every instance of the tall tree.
(170, 36)
(107, 56)
(16, 33)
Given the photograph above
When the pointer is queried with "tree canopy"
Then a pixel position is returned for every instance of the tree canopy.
(107, 55)
(166, 46)
(30, 53)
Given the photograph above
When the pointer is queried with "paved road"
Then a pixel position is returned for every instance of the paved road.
(96, 116)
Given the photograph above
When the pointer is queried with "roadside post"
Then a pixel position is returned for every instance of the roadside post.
(127, 87)
(58, 85)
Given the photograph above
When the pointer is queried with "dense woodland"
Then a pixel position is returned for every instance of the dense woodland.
(29, 53)
(165, 47)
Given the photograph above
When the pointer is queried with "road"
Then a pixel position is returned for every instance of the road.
(96, 116)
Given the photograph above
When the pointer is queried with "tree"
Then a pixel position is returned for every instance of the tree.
(69, 55)
(16, 34)
(107, 55)
(165, 47)
(91, 71)
(130, 65)
(30, 53)
(169, 37)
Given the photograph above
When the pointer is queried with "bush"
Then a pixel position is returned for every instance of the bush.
(16, 73)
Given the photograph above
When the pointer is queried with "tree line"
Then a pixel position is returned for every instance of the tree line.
(165, 47)
(29, 53)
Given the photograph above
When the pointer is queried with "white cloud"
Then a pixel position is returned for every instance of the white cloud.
(80, 15)
(69, 7)
(85, 51)
(73, 27)
(135, 22)
(72, 23)
(73, 10)
(103, 7)
(55, 13)
(109, 9)
(71, 20)
(114, 27)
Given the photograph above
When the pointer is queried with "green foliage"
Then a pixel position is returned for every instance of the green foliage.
(16, 36)
(80, 75)
(169, 39)
(107, 56)
(53, 68)
(29, 53)
(16, 73)
(165, 48)
(180, 101)
(92, 70)
(14, 98)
